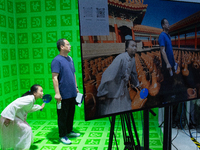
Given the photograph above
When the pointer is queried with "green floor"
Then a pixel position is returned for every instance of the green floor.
(94, 135)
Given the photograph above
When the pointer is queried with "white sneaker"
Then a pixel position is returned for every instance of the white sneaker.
(65, 140)
(73, 134)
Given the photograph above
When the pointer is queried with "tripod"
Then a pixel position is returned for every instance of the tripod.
(126, 120)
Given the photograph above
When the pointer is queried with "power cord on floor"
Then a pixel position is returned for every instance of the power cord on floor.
(175, 135)
(191, 137)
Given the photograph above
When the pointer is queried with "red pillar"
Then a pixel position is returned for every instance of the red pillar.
(175, 40)
(179, 43)
(91, 39)
(133, 34)
(185, 39)
(116, 32)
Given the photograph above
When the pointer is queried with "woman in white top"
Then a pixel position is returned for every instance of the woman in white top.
(15, 132)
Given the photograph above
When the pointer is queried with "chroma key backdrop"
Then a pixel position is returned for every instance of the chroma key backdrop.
(29, 30)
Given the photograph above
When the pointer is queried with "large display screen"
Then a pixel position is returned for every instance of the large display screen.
(132, 60)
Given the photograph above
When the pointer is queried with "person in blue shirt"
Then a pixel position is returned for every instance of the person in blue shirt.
(169, 66)
(66, 89)
(167, 55)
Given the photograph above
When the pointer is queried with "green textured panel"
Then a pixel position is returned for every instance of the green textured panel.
(38, 68)
(53, 112)
(52, 52)
(10, 6)
(11, 38)
(95, 134)
(49, 68)
(6, 72)
(11, 22)
(37, 37)
(2, 21)
(7, 87)
(117, 134)
(1, 90)
(25, 84)
(40, 81)
(23, 53)
(78, 35)
(22, 23)
(1, 103)
(48, 147)
(155, 142)
(80, 82)
(12, 54)
(107, 142)
(67, 35)
(2, 5)
(51, 37)
(42, 114)
(51, 21)
(98, 129)
(24, 68)
(65, 4)
(37, 53)
(35, 6)
(8, 101)
(22, 38)
(36, 22)
(77, 19)
(90, 148)
(92, 141)
(4, 54)
(4, 38)
(20, 7)
(66, 20)
(50, 5)
(14, 85)
(50, 83)
(14, 69)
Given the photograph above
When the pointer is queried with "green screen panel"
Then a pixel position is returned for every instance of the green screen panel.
(29, 32)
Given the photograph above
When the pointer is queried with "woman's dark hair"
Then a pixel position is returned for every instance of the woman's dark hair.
(33, 89)
(127, 43)
(59, 43)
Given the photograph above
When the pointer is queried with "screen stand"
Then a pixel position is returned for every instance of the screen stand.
(129, 143)
(146, 127)
(167, 128)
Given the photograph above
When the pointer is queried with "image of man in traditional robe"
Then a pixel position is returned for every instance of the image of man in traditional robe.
(113, 90)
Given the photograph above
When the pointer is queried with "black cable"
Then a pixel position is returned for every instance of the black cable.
(174, 146)
(175, 135)
(191, 137)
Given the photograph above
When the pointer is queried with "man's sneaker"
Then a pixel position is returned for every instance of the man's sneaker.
(73, 134)
(65, 140)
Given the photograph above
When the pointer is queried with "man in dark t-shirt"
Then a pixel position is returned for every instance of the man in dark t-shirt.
(65, 86)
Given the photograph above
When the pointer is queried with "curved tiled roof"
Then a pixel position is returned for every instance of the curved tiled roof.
(147, 29)
(188, 21)
(129, 6)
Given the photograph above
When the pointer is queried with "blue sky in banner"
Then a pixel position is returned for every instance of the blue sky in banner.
(172, 11)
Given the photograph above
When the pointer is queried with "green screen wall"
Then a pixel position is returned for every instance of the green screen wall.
(29, 32)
